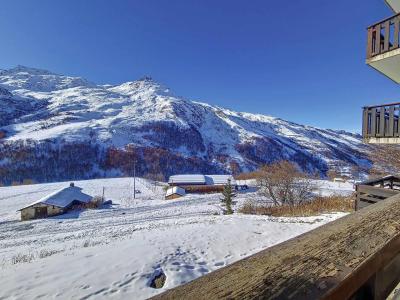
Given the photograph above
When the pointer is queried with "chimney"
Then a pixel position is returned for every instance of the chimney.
(71, 184)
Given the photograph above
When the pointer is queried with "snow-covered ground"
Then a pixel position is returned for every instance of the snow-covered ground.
(113, 252)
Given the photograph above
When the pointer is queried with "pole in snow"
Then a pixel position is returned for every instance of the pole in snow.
(134, 179)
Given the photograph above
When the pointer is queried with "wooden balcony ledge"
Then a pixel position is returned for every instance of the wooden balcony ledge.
(355, 257)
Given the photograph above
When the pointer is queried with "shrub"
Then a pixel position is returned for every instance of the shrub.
(45, 253)
(22, 258)
(96, 202)
(284, 184)
(316, 206)
(247, 176)
(90, 243)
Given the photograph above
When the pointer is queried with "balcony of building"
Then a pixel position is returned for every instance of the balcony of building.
(381, 124)
(394, 5)
(383, 47)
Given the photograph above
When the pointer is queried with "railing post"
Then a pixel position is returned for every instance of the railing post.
(398, 122)
(369, 43)
(391, 122)
(382, 122)
(373, 122)
(365, 122)
(386, 37)
(396, 33)
(377, 39)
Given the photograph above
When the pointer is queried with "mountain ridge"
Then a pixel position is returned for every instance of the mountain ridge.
(45, 107)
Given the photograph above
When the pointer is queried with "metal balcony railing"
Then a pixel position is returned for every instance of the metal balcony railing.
(383, 36)
(381, 121)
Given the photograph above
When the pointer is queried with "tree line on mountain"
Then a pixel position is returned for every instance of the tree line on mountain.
(50, 161)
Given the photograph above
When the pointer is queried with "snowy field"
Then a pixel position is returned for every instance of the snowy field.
(113, 252)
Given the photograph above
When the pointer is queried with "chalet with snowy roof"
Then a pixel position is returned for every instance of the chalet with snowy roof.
(174, 193)
(197, 183)
(56, 203)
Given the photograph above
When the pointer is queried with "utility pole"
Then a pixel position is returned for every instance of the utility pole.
(134, 178)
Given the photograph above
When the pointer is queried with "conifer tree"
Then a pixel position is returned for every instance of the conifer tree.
(228, 194)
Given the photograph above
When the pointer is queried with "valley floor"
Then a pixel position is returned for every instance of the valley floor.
(114, 252)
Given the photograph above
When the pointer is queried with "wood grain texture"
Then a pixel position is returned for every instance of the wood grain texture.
(331, 261)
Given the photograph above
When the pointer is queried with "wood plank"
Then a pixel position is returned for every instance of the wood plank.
(369, 199)
(396, 23)
(369, 43)
(385, 278)
(390, 132)
(373, 122)
(398, 122)
(378, 48)
(363, 204)
(386, 37)
(377, 191)
(330, 262)
(382, 122)
(365, 123)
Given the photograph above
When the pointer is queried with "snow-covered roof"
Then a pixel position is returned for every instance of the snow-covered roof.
(201, 179)
(64, 197)
(175, 190)
(219, 179)
(338, 179)
(189, 179)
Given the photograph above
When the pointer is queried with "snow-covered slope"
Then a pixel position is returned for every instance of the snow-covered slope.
(113, 252)
(31, 79)
(65, 109)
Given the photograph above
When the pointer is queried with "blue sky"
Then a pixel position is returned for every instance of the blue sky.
(303, 60)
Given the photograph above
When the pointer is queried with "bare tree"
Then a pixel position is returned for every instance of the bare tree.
(155, 178)
(284, 184)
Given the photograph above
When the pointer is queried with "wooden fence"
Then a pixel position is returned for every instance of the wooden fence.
(367, 195)
(381, 121)
(383, 36)
(355, 257)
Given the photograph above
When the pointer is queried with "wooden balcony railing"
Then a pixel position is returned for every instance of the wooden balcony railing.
(375, 190)
(383, 36)
(381, 121)
(355, 257)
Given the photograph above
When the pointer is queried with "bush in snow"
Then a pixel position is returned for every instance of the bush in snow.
(317, 206)
(284, 184)
(96, 202)
(22, 258)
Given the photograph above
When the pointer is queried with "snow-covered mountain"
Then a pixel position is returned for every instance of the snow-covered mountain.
(49, 118)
